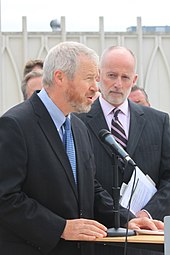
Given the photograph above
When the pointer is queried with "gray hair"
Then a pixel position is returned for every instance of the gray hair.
(65, 57)
(30, 75)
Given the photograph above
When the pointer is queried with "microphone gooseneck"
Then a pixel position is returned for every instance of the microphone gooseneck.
(107, 138)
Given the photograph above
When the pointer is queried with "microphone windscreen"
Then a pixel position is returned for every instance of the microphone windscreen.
(102, 134)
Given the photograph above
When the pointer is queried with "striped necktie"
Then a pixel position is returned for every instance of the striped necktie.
(117, 129)
(69, 145)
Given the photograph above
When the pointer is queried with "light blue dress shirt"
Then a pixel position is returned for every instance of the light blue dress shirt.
(55, 113)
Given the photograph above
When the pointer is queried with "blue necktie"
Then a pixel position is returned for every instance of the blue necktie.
(69, 145)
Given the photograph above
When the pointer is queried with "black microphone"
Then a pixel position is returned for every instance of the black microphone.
(107, 138)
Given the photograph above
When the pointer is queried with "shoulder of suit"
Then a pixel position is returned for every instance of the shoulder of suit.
(146, 110)
(77, 119)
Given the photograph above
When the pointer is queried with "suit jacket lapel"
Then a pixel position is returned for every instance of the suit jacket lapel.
(137, 123)
(96, 121)
(52, 135)
(79, 158)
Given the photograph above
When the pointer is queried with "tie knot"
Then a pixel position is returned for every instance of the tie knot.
(116, 112)
(67, 124)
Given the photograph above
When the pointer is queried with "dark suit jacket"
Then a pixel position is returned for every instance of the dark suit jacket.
(37, 189)
(148, 145)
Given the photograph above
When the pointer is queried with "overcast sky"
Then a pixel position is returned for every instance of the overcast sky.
(83, 15)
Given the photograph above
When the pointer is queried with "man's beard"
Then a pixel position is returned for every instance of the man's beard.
(81, 108)
(77, 103)
(113, 100)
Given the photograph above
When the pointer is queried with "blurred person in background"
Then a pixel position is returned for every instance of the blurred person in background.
(139, 96)
(32, 81)
(33, 65)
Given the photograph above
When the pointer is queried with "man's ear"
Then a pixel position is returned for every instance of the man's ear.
(135, 80)
(58, 76)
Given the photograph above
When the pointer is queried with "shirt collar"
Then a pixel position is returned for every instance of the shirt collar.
(55, 113)
(108, 108)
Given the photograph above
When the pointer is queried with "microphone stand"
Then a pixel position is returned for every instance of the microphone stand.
(117, 231)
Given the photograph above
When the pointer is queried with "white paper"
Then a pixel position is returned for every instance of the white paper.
(144, 189)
